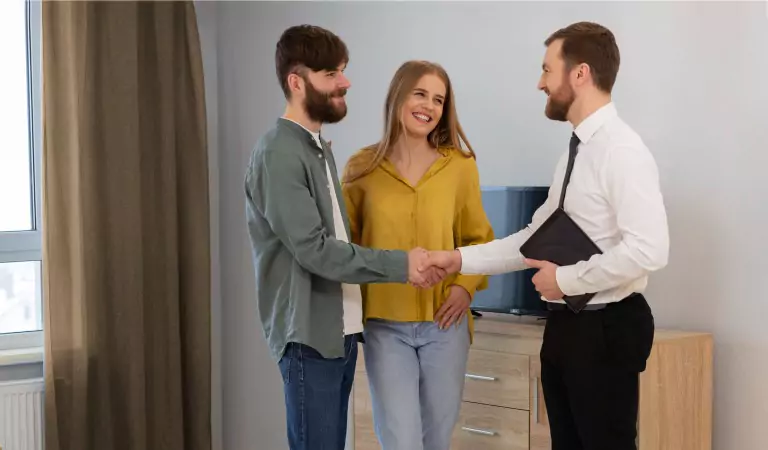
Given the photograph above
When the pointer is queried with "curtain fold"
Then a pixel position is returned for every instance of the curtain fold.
(126, 242)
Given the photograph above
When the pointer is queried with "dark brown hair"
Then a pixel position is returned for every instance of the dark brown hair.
(592, 44)
(307, 46)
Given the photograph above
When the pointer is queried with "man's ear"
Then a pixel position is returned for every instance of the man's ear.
(295, 82)
(582, 72)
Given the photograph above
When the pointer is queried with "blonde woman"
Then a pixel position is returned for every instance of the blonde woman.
(418, 186)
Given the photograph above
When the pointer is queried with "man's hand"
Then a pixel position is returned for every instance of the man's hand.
(545, 279)
(454, 308)
(420, 272)
(449, 261)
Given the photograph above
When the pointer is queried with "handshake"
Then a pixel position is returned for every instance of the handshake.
(426, 269)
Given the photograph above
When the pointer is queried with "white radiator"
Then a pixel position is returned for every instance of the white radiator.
(21, 415)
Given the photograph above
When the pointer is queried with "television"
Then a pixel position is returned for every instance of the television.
(510, 209)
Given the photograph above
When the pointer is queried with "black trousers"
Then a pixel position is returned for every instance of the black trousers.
(590, 366)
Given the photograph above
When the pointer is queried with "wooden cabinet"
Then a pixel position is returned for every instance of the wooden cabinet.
(491, 427)
(503, 404)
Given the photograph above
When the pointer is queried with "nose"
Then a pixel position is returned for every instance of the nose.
(541, 84)
(344, 81)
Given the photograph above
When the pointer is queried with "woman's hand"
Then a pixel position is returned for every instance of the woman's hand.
(454, 308)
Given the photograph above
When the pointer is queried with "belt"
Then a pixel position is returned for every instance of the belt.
(552, 306)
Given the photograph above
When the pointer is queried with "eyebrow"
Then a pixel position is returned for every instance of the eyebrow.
(424, 91)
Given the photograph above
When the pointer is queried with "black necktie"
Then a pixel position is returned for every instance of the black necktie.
(573, 149)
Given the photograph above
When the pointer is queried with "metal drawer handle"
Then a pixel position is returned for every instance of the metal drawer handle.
(479, 431)
(479, 377)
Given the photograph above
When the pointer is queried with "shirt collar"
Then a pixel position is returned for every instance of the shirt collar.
(446, 155)
(296, 126)
(589, 126)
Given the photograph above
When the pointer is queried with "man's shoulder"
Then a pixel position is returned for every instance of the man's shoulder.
(279, 138)
(620, 134)
(624, 148)
(617, 139)
(278, 142)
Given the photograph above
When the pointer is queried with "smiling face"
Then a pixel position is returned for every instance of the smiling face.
(323, 95)
(423, 106)
(419, 105)
(556, 82)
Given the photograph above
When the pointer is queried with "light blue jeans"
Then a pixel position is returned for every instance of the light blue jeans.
(416, 374)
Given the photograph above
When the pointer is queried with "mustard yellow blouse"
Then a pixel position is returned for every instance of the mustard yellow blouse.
(442, 212)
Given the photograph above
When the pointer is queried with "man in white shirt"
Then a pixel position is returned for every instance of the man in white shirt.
(590, 360)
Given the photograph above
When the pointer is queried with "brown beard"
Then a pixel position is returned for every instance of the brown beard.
(560, 103)
(319, 104)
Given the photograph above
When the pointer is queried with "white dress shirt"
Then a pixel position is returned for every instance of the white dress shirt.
(352, 297)
(614, 196)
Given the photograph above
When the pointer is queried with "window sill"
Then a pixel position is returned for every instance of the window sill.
(20, 356)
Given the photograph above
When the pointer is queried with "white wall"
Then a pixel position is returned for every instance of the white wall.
(692, 82)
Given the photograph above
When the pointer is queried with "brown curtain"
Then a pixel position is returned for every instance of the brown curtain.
(126, 227)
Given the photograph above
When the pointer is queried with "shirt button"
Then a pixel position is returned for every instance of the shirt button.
(319, 155)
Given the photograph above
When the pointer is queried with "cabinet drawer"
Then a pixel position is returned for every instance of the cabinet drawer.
(498, 379)
(490, 428)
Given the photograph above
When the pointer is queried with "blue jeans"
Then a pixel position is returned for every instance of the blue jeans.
(317, 395)
(416, 374)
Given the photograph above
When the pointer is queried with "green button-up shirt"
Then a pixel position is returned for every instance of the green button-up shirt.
(299, 263)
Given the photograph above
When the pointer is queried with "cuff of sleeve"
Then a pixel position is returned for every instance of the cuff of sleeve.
(397, 266)
(469, 258)
(471, 283)
(568, 280)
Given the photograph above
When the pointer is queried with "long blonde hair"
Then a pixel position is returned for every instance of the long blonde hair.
(447, 133)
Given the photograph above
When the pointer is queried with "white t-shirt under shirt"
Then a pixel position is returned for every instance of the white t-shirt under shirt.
(352, 297)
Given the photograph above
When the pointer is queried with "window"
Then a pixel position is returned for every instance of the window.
(21, 306)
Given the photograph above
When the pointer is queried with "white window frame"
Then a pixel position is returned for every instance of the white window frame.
(19, 246)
